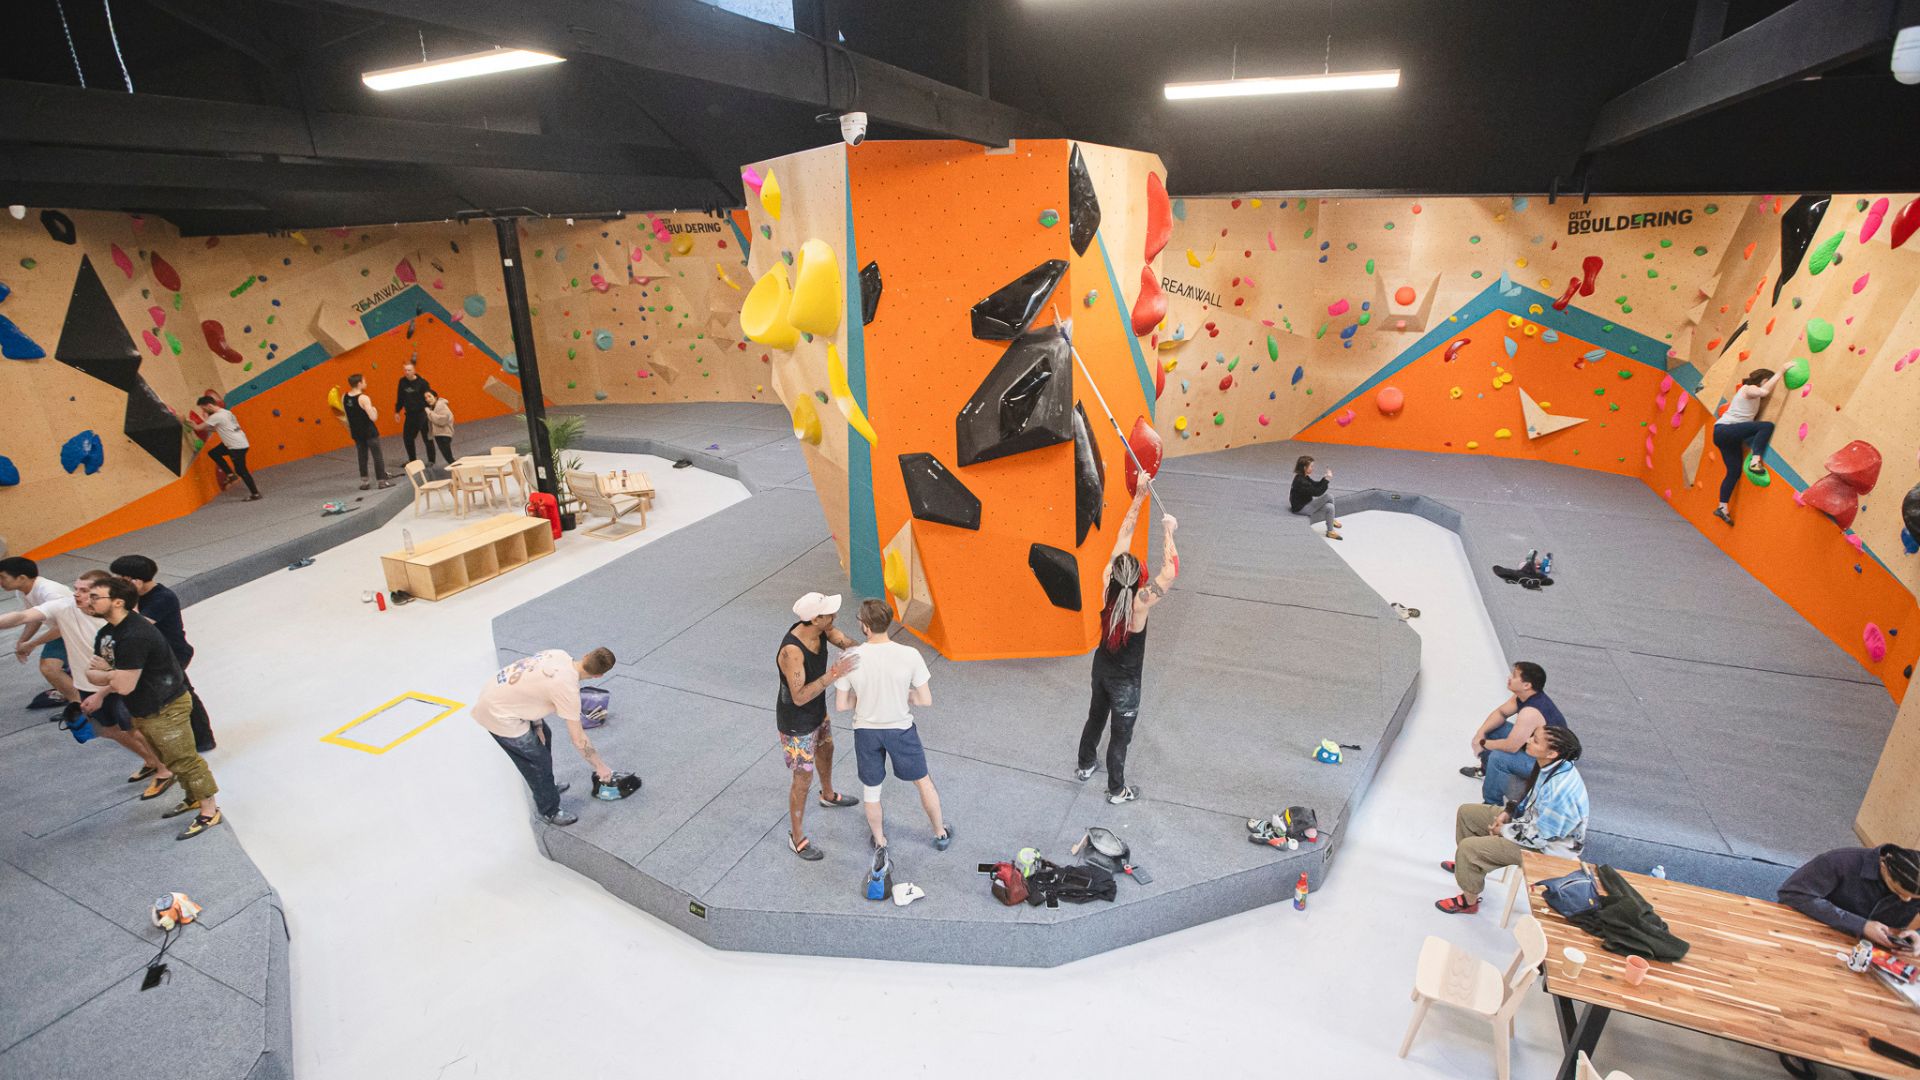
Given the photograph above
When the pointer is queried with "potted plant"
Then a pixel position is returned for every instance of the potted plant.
(563, 435)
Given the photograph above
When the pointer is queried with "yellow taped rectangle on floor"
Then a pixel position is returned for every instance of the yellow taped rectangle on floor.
(383, 728)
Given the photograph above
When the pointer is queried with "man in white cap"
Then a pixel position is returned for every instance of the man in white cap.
(800, 709)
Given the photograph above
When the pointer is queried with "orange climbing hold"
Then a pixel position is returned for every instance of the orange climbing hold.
(1151, 306)
(1390, 400)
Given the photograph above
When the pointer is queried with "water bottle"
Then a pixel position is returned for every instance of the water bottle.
(1546, 565)
(1660, 872)
(407, 536)
(1300, 893)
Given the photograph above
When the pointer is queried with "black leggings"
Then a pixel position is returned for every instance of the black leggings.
(1731, 440)
(1116, 695)
(445, 443)
(235, 462)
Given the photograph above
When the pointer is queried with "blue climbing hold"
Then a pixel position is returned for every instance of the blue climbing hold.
(83, 451)
(1298, 374)
(15, 344)
(1179, 209)
(9, 473)
(1906, 539)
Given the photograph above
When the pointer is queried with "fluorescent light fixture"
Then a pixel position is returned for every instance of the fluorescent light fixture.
(1289, 84)
(491, 62)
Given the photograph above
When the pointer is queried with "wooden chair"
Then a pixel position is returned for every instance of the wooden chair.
(469, 481)
(585, 487)
(1588, 1072)
(1454, 977)
(424, 489)
(523, 475)
(504, 473)
(1516, 888)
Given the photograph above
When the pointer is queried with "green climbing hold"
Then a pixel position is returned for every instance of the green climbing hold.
(572, 384)
(1049, 218)
(173, 343)
(1476, 275)
(1388, 226)
(1308, 235)
(1859, 205)
(1366, 317)
(1233, 363)
(1624, 373)
(1700, 250)
(1712, 208)
(1474, 239)
(1797, 373)
(1351, 246)
(1758, 477)
(1219, 418)
(1613, 406)
(1369, 266)
(1273, 348)
(822, 395)
(1822, 257)
(1322, 332)
(571, 353)
(1652, 273)
(1599, 390)
(1666, 243)
(766, 232)
(576, 335)
(1819, 334)
(28, 264)
(1796, 303)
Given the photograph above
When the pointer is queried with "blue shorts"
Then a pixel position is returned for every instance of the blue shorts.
(873, 746)
(55, 650)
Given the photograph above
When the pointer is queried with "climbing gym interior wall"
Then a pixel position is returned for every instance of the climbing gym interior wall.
(1604, 335)
(114, 326)
(916, 299)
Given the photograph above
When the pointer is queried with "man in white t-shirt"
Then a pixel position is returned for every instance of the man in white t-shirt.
(230, 457)
(76, 630)
(22, 575)
(890, 676)
(513, 707)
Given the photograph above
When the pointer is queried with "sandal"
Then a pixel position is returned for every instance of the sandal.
(842, 799)
(1457, 905)
(145, 771)
(805, 850)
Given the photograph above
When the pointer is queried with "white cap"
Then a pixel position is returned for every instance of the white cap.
(813, 605)
(906, 893)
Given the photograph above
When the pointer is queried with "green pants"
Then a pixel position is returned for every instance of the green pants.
(171, 732)
(1477, 854)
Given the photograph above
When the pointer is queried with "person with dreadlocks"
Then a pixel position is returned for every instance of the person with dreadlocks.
(1549, 817)
(1121, 654)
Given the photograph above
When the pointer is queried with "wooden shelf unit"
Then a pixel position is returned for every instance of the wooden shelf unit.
(467, 556)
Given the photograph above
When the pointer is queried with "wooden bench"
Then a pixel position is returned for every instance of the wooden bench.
(467, 556)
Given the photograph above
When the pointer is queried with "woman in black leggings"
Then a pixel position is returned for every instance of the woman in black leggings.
(1741, 439)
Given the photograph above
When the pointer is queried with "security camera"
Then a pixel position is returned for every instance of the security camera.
(1906, 57)
(853, 125)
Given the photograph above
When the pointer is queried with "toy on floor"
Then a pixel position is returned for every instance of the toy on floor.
(616, 787)
(1533, 574)
(1285, 829)
(1404, 612)
(1329, 752)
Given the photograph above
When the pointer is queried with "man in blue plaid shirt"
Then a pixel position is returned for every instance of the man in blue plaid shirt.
(1550, 817)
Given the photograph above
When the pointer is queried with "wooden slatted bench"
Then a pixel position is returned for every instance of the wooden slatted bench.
(467, 556)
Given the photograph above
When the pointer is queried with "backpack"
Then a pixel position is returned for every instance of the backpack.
(880, 882)
(1009, 884)
(1572, 895)
(1080, 883)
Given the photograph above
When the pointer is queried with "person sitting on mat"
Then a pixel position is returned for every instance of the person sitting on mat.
(1500, 741)
(1550, 817)
(1122, 652)
(1310, 497)
(1742, 440)
(800, 710)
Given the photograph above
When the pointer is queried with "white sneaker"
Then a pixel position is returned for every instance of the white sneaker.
(906, 893)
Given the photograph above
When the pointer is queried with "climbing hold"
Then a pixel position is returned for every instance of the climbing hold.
(1454, 347)
(1226, 382)
(1390, 400)
(1503, 433)
(1089, 477)
(1058, 573)
(82, 451)
(1049, 218)
(1024, 403)
(770, 195)
(15, 344)
(1454, 393)
(1860, 284)
(1904, 223)
(1147, 450)
(1151, 305)
(870, 286)
(1875, 215)
(216, 336)
(1540, 422)
(815, 305)
(1819, 334)
(936, 495)
(1263, 420)
(163, 272)
(1404, 295)
(1513, 346)
(1823, 256)
(1159, 216)
(1797, 225)
(1875, 641)
(120, 260)
(1008, 311)
(1856, 464)
(1338, 307)
(1473, 445)
(1910, 510)
(1345, 417)
(1299, 372)
(843, 393)
(9, 472)
(1179, 423)
(1796, 373)
(1083, 206)
(750, 177)
(764, 312)
(60, 227)
(1759, 478)
(475, 305)
(603, 340)
(1092, 297)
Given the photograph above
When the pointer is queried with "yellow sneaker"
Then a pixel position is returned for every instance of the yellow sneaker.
(201, 823)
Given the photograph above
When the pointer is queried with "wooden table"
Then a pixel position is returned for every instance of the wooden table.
(497, 466)
(636, 484)
(1758, 972)
(467, 556)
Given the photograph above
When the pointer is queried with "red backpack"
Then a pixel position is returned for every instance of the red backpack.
(1009, 885)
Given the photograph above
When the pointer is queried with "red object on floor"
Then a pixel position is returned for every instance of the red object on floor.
(541, 504)
(380, 600)
(1857, 464)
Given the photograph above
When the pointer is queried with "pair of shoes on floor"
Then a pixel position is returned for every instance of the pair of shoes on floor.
(157, 787)
(1124, 795)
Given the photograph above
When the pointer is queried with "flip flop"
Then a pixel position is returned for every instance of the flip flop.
(805, 850)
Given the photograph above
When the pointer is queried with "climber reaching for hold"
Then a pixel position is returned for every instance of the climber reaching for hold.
(1742, 439)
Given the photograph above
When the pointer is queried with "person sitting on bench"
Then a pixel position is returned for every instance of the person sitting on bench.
(1550, 817)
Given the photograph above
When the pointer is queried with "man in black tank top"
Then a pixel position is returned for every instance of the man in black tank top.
(1122, 652)
(800, 710)
(363, 425)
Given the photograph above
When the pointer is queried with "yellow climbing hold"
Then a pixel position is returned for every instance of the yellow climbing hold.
(1192, 259)
(1503, 433)
(763, 315)
(843, 396)
(721, 273)
(682, 245)
(1534, 309)
(816, 290)
(893, 571)
(770, 196)
(806, 420)
(1473, 446)
(1513, 321)
(338, 406)
(1256, 204)
(1179, 423)
(1529, 330)
(1454, 393)
(1520, 263)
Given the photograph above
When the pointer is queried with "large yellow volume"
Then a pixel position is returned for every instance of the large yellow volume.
(843, 396)
(806, 421)
(763, 315)
(816, 289)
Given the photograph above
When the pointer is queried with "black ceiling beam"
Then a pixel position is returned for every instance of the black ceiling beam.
(187, 172)
(54, 115)
(234, 23)
(1709, 25)
(699, 41)
(1804, 38)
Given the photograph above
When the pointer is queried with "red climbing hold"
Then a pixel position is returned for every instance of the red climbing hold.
(1404, 296)
(404, 271)
(120, 260)
(164, 273)
(1904, 223)
(1226, 382)
(1590, 270)
(1454, 347)
(217, 340)
(1573, 286)
(1145, 443)
(1151, 307)
(1159, 216)
(1833, 497)
(1856, 464)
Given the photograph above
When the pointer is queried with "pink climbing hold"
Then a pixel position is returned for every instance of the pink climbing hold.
(751, 177)
(1345, 418)
(660, 230)
(1390, 400)
(1860, 283)
(404, 271)
(458, 350)
(1803, 433)
(120, 260)
(1666, 384)
(158, 314)
(153, 343)
(1875, 640)
(1338, 307)
(1263, 420)
(1875, 215)
(599, 282)
(439, 283)
(1271, 246)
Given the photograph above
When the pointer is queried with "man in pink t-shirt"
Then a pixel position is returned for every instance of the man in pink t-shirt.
(514, 705)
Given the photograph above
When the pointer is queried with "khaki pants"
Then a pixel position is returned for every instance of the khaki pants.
(171, 732)
(1475, 853)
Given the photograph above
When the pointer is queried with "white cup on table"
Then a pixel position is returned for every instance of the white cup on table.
(1574, 961)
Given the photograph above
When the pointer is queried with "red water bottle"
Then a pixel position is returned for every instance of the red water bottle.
(380, 600)
(1300, 893)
